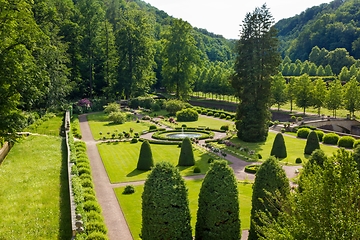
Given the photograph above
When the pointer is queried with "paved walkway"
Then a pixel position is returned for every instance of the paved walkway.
(113, 215)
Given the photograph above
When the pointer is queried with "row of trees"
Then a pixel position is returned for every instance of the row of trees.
(165, 205)
(318, 94)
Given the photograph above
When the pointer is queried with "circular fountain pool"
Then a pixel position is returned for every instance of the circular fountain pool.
(183, 135)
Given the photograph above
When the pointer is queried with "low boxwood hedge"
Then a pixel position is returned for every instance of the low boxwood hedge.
(346, 142)
(331, 138)
(252, 168)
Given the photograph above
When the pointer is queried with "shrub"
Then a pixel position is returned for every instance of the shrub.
(134, 140)
(95, 227)
(218, 215)
(187, 115)
(210, 114)
(222, 116)
(228, 117)
(183, 126)
(320, 135)
(210, 160)
(259, 156)
(92, 206)
(197, 170)
(173, 106)
(186, 157)
(155, 107)
(356, 143)
(165, 205)
(331, 138)
(117, 117)
(152, 127)
(94, 216)
(129, 189)
(312, 143)
(87, 183)
(89, 191)
(217, 114)
(83, 170)
(89, 197)
(112, 107)
(298, 160)
(97, 236)
(252, 168)
(224, 128)
(346, 142)
(303, 133)
(145, 161)
(279, 149)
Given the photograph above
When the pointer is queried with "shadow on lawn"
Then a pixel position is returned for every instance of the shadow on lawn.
(135, 172)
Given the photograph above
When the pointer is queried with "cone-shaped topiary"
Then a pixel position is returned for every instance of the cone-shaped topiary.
(145, 161)
(312, 143)
(186, 157)
(165, 205)
(279, 149)
(218, 212)
(270, 188)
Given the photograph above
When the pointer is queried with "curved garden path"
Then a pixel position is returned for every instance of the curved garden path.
(113, 215)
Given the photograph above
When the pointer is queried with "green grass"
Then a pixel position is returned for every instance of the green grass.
(34, 199)
(211, 122)
(98, 123)
(52, 126)
(131, 205)
(120, 160)
(294, 146)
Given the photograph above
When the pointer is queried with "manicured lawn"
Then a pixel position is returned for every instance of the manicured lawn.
(98, 123)
(204, 121)
(48, 127)
(131, 205)
(120, 160)
(294, 146)
(34, 199)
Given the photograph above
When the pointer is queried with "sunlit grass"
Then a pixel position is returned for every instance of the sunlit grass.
(131, 205)
(120, 160)
(34, 200)
(203, 121)
(52, 126)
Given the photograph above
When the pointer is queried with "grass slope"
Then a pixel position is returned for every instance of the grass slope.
(131, 205)
(34, 191)
(120, 160)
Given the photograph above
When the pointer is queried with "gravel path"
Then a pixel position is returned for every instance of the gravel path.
(113, 215)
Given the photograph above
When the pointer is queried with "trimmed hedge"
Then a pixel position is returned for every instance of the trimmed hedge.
(356, 143)
(252, 168)
(303, 133)
(320, 135)
(145, 161)
(279, 148)
(331, 138)
(346, 142)
(186, 157)
(312, 143)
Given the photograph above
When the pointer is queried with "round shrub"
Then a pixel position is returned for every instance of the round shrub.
(83, 159)
(298, 160)
(346, 142)
(89, 197)
(97, 236)
(197, 170)
(217, 114)
(129, 189)
(279, 149)
(320, 135)
(173, 106)
(303, 133)
(204, 112)
(83, 170)
(184, 126)
(145, 161)
(224, 128)
(92, 206)
(331, 138)
(111, 107)
(210, 114)
(259, 156)
(117, 117)
(89, 191)
(92, 227)
(186, 157)
(93, 216)
(252, 168)
(187, 115)
(228, 117)
(152, 127)
(83, 165)
(87, 183)
(199, 110)
(312, 143)
(222, 116)
(134, 140)
(356, 143)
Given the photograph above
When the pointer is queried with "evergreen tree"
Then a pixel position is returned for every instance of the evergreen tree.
(145, 161)
(180, 55)
(270, 184)
(278, 149)
(186, 157)
(218, 212)
(165, 205)
(312, 143)
(257, 60)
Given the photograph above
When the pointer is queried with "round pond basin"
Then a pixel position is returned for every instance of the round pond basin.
(183, 135)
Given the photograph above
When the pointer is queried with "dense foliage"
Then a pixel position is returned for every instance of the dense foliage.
(145, 161)
(270, 189)
(256, 62)
(278, 149)
(165, 205)
(312, 143)
(186, 157)
(218, 212)
(187, 115)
